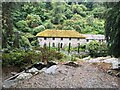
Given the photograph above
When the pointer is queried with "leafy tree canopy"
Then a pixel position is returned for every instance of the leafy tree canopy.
(112, 29)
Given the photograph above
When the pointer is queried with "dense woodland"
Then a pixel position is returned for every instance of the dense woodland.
(22, 21)
(27, 19)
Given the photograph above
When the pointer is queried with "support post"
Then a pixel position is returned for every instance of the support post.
(49, 45)
(69, 47)
(44, 45)
(78, 47)
(58, 46)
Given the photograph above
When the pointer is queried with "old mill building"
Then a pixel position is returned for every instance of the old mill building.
(63, 38)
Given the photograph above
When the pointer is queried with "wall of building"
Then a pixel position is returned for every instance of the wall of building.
(65, 41)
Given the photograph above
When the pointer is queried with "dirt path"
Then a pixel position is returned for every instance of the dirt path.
(85, 76)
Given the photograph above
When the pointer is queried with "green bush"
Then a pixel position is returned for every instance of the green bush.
(20, 58)
(97, 49)
(49, 54)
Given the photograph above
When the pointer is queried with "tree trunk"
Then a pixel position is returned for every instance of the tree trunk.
(7, 23)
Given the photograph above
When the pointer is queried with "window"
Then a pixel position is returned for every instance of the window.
(61, 38)
(69, 38)
(45, 38)
(53, 38)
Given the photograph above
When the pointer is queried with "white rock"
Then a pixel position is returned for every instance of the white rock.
(113, 61)
(33, 70)
(24, 76)
(115, 66)
(55, 62)
(43, 70)
(51, 70)
(94, 60)
(86, 58)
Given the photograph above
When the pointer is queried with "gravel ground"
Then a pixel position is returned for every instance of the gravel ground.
(84, 76)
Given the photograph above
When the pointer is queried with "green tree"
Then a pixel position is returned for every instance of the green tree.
(7, 25)
(112, 29)
(33, 20)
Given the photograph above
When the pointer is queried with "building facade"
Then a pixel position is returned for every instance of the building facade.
(63, 38)
(91, 37)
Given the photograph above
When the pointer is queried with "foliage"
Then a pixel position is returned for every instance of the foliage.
(76, 17)
(20, 58)
(23, 58)
(90, 20)
(38, 29)
(50, 54)
(48, 24)
(24, 42)
(33, 20)
(97, 48)
(112, 29)
(23, 26)
(33, 17)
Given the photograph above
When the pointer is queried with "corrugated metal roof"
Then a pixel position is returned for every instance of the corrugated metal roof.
(91, 36)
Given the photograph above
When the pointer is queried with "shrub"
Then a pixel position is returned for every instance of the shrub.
(97, 49)
(20, 58)
(50, 54)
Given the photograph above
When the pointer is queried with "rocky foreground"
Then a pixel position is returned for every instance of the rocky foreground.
(66, 75)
